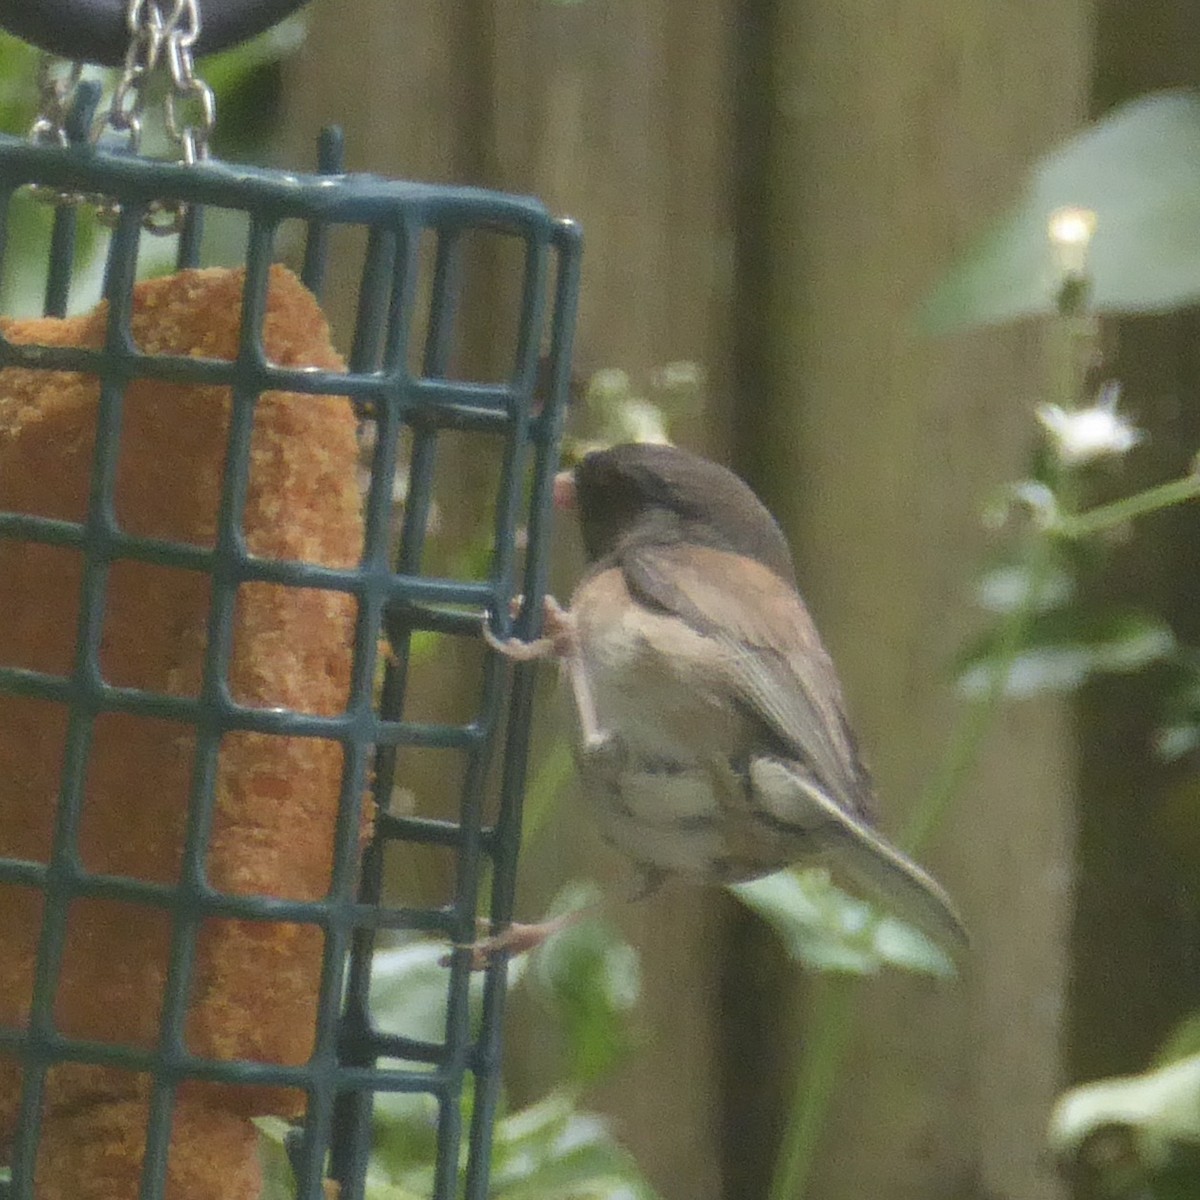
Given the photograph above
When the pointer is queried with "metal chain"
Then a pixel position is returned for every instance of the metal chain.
(56, 94)
(187, 89)
(161, 36)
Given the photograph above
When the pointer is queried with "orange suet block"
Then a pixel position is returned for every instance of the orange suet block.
(254, 989)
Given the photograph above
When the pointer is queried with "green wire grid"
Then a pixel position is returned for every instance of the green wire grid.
(523, 414)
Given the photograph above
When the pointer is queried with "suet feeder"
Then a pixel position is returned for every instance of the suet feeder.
(207, 609)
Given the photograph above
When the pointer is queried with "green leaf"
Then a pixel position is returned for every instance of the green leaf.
(1008, 588)
(827, 930)
(18, 89)
(27, 254)
(551, 1150)
(279, 1183)
(1138, 169)
(405, 1138)
(590, 977)
(384, 1189)
(1178, 734)
(1062, 649)
(1158, 1109)
(409, 989)
(546, 1150)
(409, 994)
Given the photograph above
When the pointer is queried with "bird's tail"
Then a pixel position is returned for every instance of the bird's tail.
(855, 848)
(901, 886)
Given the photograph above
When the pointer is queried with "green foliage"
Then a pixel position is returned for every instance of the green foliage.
(824, 929)
(1179, 730)
(1064, 646)
(1138, 170)
(18, 92)
(28, 221)
(1132, 184)
(278, 1181)
(1009, 588)
(1136, 1137)
(1134, 179)
(590, 979)
(551, 1151)
(618, 411)
(587, 981)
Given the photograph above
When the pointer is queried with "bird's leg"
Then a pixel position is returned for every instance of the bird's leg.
(590, 733)
(561, 641)
(521, 938)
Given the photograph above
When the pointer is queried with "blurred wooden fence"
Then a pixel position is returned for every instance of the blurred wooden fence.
(767, 188)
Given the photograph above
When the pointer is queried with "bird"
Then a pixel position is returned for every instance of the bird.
(711, 733)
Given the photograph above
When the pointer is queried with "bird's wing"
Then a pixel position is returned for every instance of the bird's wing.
(774, 665)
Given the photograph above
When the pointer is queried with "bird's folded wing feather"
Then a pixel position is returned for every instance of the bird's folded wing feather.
(773, 663)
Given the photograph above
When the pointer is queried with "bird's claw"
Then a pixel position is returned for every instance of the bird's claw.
(515, 940)
(557, 640)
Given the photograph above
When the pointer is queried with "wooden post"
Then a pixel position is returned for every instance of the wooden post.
(897, 129)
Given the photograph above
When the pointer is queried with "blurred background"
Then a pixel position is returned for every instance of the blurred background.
(770, 191)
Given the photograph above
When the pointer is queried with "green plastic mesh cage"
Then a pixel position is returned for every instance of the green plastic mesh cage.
(193, 398)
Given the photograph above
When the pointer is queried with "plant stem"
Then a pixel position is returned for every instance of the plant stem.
(831, 1021)
(1072, 345)
(1109, 516)
(969, 733)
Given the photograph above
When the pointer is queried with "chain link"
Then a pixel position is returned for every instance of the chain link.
(56, 93)
(161, 36)
(128, 103)
(57, 83)
(188, 90)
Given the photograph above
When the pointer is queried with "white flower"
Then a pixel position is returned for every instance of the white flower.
(1084, 434)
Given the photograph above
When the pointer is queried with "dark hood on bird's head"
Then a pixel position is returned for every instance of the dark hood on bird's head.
(651, 493)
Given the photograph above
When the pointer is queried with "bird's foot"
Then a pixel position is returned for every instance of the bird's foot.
(557, 641)
(516, 939)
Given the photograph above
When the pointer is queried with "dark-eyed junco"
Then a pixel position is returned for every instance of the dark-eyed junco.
(712, 739)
